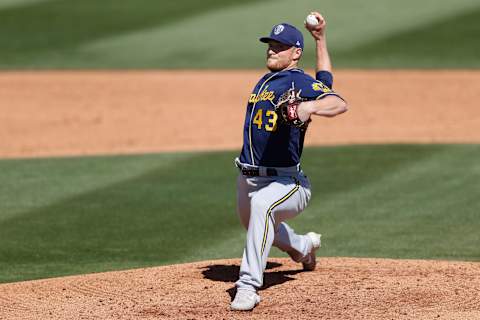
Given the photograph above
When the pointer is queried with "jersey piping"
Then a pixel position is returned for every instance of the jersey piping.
(273, 206)
(251, 115)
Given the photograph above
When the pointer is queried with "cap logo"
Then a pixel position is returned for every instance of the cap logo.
(298, 43)
(278, 29)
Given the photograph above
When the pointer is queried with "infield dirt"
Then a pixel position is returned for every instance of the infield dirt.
(86, 113)
(81, 112)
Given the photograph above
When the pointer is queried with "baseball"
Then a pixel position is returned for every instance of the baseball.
(311, 20)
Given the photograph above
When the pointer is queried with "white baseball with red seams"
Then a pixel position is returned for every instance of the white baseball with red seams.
(311, 20)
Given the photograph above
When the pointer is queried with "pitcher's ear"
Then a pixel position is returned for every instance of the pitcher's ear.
(297, 53)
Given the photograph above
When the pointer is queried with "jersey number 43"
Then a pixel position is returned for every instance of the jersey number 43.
(270, 123)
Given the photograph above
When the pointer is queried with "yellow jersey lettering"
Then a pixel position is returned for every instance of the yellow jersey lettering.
(273, 116)
(258, 119)
(318, 86)
(265, 95)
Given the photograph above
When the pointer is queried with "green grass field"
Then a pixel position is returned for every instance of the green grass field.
(77, 215)
(43, 34)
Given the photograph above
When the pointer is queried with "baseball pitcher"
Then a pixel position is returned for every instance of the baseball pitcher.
(271, 186)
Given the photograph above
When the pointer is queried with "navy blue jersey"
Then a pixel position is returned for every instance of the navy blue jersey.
(266, 141)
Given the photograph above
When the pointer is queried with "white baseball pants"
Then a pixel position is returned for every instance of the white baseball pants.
(263, 203)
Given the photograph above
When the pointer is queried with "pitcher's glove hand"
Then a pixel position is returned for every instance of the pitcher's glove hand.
(286, 109)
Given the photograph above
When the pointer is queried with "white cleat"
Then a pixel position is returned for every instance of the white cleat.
(245, 300)
(310, 260)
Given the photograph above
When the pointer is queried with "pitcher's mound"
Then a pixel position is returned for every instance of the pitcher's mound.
(340, 288)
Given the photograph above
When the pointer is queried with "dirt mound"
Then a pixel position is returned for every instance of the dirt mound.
(340, 288)
(100, 112)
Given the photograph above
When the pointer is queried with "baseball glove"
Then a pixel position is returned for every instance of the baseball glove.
(286, 108)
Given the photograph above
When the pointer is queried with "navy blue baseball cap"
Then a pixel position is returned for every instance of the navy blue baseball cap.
(286, 34)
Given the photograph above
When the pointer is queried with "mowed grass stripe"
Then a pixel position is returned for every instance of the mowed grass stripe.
(422, 47)
(349, 26)
(403, 201)
(17, 3)
(60, 25)
(156, 217)
(215, 34)
(31, 183)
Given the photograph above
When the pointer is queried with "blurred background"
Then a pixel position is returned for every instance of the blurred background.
(40, 34)
(120, 119)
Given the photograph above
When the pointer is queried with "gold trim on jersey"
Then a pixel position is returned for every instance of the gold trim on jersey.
(319, 86)
(331, 93)
(251, 116)
(273, 206)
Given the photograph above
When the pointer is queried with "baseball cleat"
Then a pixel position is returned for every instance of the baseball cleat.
(310, 260)
(245, 300)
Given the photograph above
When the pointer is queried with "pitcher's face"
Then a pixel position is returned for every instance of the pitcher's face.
(282, 56)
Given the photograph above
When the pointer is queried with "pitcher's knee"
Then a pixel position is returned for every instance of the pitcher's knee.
(260, 207)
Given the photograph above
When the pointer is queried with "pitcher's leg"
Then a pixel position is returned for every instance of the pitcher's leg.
(297, 246)
(281, 197)
(260, 236)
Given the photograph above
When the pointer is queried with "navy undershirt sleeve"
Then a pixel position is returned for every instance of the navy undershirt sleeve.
(312, 89)
(325, 77)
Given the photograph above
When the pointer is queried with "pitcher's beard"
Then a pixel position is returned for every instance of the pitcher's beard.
(274, 65)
